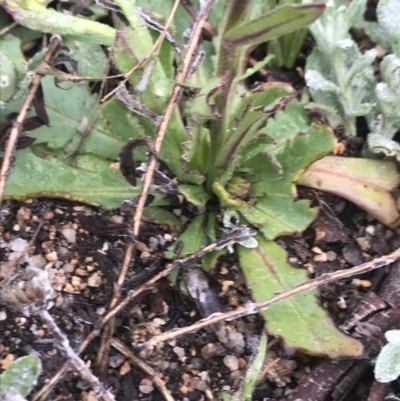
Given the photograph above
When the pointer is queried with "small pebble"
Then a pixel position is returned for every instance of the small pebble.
(39, 261)
(231, 362)
(370, 230)
(3, 315)
(322, 257)
(69, 268)
(331, 256)
(19, 245)
(146, 386)
(116, 360)
(52, 256)
(76, 281)
(69, 288)
(94, 280)
(211, 350)
(125, 368)
(48, 215)
(117, 219)
(179, 351)
(69, 234)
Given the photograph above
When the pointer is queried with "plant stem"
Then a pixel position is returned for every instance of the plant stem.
(228, 66)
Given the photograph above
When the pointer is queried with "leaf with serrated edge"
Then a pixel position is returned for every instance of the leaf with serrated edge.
(299, 320)
(294, 158)
(50, 177)
(280, 21)
(279, 216)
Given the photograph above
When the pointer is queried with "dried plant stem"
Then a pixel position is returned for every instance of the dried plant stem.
(8, 28)
(256, 307)
(45, 391)
(102, 356)
(183, 71)
(324, 279)
(125, 351)
(77, 363)
(19, 121)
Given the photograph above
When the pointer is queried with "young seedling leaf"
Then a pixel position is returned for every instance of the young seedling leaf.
(365, 182)
(280, 21)
(299, 320)
(387, 366)
(20, 376)
(393, 336)
(254, 370)
(246, 121)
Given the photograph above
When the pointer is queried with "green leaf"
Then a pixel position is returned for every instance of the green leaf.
(34, 15)
(254, 370)
(277, 177)
(245, 123)
(162, 216)
(62, 136)
(279, 216)
(252, 70)
(387, 366)
(299, 320)
(193, 238)
(280, 21)
(20, 376)
(90, 57)
(194, 194)
(94, 183)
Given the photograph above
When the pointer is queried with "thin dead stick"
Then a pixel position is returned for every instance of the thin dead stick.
(18, 123)
(183, 71)
(153, 51)
(125, 351)
(8, 28)
(261, 376)
(73, 359)
(257, 306)
(104, 349)
(42, 394)
(324, 279)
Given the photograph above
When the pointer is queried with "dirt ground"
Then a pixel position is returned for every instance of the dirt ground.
(82, 248)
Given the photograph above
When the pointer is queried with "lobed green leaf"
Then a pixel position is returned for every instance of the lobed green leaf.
(298, 320)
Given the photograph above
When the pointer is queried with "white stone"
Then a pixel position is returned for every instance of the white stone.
(19, 245)
(231, 362)
(69, 234)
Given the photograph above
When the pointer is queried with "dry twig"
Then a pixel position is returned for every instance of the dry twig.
(257, 306)
(19, 121)
(45, 391)
(102, 356)
(125, 351)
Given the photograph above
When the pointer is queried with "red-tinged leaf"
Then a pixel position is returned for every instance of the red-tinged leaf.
(280, 21)
(365, 182)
